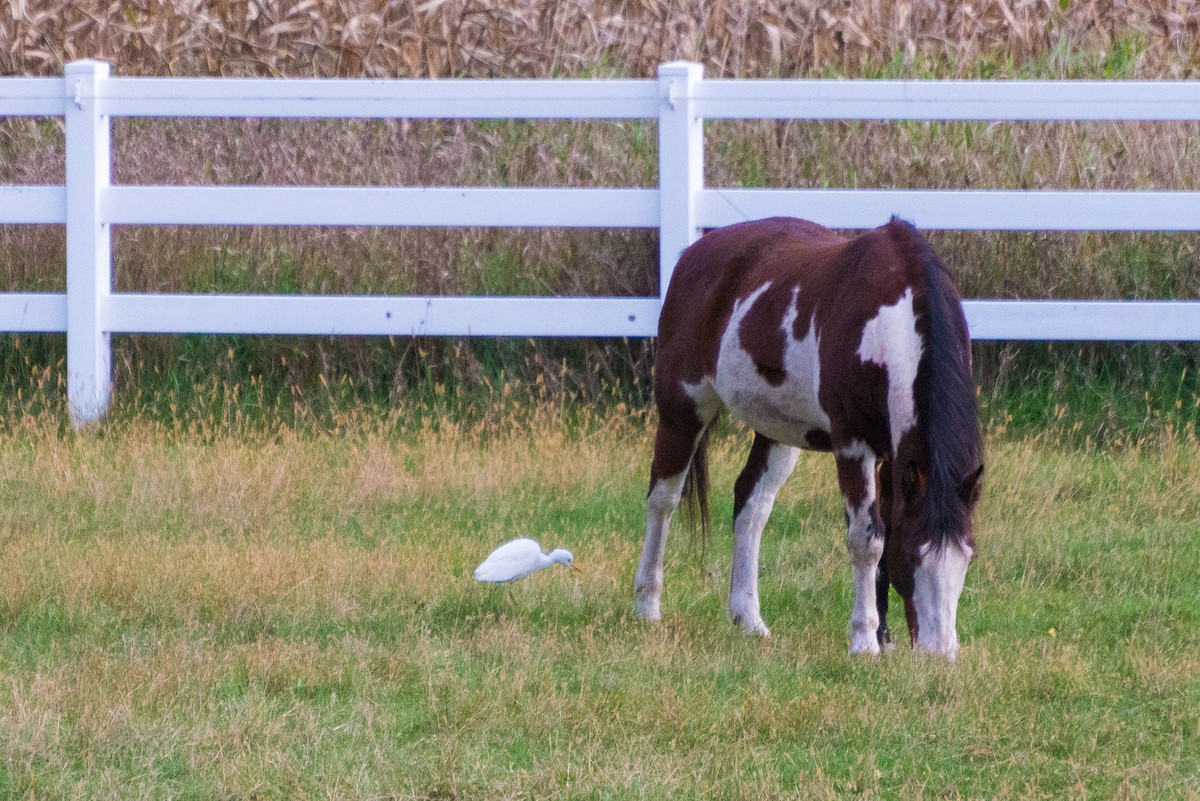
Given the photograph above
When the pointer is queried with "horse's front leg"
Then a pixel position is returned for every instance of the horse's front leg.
(883, 633)
(883, 478)
(767, 468)
(856, 476)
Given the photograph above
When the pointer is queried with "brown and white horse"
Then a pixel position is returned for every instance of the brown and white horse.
(855, 346)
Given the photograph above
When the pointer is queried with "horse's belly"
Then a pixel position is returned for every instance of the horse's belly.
(783, 404)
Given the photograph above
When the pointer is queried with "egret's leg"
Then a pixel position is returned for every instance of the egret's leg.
(673, 449)
(767, 468)
(856, 476)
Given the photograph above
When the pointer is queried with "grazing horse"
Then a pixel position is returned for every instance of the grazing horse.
(855, 346)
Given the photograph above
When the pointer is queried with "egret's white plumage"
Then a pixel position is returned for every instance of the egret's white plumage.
(519, 558)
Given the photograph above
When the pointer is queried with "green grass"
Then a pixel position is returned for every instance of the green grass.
(1086, 392)
(274, 612)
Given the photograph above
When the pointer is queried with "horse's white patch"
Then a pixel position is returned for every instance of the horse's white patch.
(786, 412)
(857, 449)
(937, 585)
(890, 339)
(704, 395)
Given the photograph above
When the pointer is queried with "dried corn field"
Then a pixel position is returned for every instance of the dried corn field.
(539, 38)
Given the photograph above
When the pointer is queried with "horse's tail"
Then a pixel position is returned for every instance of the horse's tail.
(695, 494)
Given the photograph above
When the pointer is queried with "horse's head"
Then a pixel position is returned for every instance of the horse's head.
(937, 464)
(929, 546)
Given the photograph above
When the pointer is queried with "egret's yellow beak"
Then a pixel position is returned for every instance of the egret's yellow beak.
(575, 568)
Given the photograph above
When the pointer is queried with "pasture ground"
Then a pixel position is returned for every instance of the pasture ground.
(281, 614)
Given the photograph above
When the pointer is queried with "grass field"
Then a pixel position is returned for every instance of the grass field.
(281, 613)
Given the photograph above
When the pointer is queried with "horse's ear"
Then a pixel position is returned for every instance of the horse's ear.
(971, 487)
(912, 484)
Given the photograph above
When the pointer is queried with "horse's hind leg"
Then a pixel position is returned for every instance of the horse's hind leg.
(674, 445)
(767, 468)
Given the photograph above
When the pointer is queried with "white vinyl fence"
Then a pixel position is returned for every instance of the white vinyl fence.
(88, 97)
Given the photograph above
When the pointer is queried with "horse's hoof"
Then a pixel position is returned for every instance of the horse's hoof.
(753, 627)
(868, 646)
(648, 610)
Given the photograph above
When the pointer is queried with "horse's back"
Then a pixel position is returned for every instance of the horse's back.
(724, 265)
(726, 257)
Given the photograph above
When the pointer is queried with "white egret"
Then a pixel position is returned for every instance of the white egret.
(519, 558)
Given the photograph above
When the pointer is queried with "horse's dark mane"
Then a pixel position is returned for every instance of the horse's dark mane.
(947, 414)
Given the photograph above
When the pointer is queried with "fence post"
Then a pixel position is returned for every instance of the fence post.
(89, 242)
(680, 163)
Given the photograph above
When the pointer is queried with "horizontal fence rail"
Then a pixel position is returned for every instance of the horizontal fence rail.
(34, 312)
(32, 97)
(430, 206)
(387, 316)
(960, 209)
(1007, 101)
(33, 205)
(367, 99)
(680, 208)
